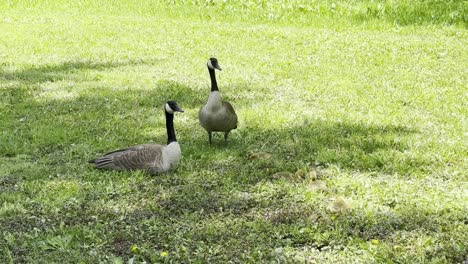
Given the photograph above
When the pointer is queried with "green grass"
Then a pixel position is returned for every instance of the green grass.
(302, 12)
(370, 95)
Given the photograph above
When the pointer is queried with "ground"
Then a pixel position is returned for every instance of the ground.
(364, 104)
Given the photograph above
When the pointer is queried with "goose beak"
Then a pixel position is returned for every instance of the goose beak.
(178, 109)
(217, 67)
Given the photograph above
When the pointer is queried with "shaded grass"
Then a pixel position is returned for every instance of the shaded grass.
(215, 196)
(219, 221)
(355, 146)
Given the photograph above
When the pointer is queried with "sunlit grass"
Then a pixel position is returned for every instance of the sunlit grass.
(300, 12)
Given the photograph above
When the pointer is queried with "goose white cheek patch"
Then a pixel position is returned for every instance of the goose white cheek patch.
(169, 109)
(210, 65)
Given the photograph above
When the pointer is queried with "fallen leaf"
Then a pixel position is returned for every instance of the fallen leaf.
(312, 175)
(318, 186)
(313, 217)
(339, 205)
(259, 155)
(300, 174)
(282, 174)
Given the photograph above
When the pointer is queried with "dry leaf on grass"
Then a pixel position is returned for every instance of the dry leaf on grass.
(282, 174)
(318, 186)
(339, 205)
(259, 155)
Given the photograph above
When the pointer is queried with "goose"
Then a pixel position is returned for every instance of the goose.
(153, 158)
(217, 115)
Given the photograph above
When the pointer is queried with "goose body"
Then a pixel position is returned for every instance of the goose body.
(217, 115)
(153, 158)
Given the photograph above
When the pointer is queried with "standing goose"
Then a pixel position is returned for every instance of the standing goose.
(153, 158)
(217, 115)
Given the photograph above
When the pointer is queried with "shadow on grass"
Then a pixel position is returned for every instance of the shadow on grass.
(277, 224)
(348, 145)
(213, 169)
(100, 120)
(57, 137)
(69, 70)
(104, 119)
(101, 117)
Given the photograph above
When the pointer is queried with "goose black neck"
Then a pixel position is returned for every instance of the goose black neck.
(171, 137)
(214, 84)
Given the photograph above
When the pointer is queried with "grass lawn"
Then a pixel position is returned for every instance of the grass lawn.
(362, 101)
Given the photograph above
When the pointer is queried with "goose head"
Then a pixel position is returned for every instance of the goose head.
(213, 64)
(171, 107)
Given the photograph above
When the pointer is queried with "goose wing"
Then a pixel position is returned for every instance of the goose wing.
(132, 158)
(232, 113)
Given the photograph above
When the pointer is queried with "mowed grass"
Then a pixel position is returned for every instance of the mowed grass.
(371, 105)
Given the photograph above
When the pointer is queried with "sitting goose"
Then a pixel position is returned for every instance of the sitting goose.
(217, 115)
(153, 158)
